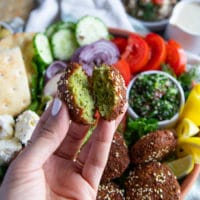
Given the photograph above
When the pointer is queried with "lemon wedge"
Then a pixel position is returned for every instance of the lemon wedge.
(182, 166)
(190, 145)
(186, 128)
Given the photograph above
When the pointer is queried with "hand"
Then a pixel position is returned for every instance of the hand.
(47, 169)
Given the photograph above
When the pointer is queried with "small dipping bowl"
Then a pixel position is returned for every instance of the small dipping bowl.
(184, 25)
(165, 123)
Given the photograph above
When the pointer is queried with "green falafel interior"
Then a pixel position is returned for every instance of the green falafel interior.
(79, 85)
(103, 90)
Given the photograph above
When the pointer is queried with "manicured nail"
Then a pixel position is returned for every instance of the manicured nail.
(57, 103)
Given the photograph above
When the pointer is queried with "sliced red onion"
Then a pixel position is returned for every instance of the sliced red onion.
(97, 53)
(75, 57)
(50, 88)
(54, 69)
(102, 51)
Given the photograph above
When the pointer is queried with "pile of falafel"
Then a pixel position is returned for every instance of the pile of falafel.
(138, 173)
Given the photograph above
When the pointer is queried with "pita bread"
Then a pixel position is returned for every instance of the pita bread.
(10, 9)
(14, 90)
(24, 41)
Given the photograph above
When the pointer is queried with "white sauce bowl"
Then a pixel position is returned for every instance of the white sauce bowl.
(184, 25)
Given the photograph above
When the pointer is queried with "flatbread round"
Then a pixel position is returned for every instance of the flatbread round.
(24, 42)
(14, 89)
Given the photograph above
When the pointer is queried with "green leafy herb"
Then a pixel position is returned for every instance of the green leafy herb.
(43, 103)
(138, 128)
(154, 96)
(188, 78)
(146, 11)
(150, 12)
(37, 85)
(166, 68)
(34, 105)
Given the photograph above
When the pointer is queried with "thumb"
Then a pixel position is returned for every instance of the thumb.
(48, 135)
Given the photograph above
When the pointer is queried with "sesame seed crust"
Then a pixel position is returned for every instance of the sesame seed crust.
(119, 89)
(153, 147)
(120, 92)
(110, 191)
(65, 92)
(152, 181)
(118, 159)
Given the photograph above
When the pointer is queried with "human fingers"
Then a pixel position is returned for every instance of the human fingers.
(98, 151)
(95, 154)
(120, 117)
(50, 134)
(73, 141)
(84, 152)
(43, 119)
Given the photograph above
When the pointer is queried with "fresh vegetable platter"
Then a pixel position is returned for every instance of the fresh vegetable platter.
(90, 43)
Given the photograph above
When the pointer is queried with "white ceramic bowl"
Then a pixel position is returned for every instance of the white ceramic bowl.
(164, 123)
(184, 25)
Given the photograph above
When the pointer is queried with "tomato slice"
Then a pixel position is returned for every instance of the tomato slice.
(176, 57)
(137, 53)
(121, 43)
(124, 69)
(158, 51)
(158, 2)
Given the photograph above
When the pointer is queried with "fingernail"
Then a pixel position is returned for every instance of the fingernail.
(57, 103)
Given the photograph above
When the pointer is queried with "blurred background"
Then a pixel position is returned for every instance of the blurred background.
(10, 9)
(141, 14)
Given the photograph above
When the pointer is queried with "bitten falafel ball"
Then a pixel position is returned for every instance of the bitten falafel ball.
(118, 159)
(74, 90)
(153, 146)
(152, 181)
(109, 91)
(110, 191)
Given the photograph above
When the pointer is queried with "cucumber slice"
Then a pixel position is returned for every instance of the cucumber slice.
(59, 25)
(42, 48)
(63, 44)
(66, 25)
(52, 29)
(90, 29)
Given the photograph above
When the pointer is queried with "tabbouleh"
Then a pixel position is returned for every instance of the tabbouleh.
(154, 96)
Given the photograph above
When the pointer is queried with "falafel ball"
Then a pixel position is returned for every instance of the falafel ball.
(105, 90)
(118, 159)
(74, 90)
(109, 91)
(152, 181)
(153, 146)
(110, 191)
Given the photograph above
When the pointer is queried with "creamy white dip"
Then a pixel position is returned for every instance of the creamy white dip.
(187, 17)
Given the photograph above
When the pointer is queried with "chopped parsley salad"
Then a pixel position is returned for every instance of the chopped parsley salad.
(154, 96)
(149, 10)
